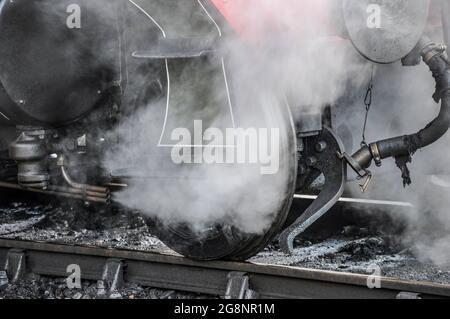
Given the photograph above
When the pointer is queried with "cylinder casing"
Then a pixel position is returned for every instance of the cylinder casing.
(57, 58)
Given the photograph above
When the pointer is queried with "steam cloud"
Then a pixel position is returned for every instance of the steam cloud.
(402, 104)
(286, 55)
(289, 54)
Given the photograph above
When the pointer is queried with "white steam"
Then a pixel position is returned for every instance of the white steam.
(287, 56)
(403, 104)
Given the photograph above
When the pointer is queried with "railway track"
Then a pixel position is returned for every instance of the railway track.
(218, 278)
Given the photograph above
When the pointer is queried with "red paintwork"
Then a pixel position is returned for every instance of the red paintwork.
(256, 17)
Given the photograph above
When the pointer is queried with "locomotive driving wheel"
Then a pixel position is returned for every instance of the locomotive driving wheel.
(218, 210)
(224, 240)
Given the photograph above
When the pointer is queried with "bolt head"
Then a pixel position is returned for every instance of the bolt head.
(321, 146)
(311, 161)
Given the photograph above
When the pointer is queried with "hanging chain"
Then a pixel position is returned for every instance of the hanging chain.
(368, 104)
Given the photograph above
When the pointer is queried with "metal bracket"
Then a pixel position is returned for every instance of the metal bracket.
(15, 265)
(112, 278)
(353, 164)
(238, 287)
(363, 174)
(333, 167)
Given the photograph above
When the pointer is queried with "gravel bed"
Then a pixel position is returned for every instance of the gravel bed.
(37, 287)
(350, 248)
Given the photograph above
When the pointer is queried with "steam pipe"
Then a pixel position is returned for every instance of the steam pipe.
(432, 55)
(77, 191)
(73, 184)
(70, 195)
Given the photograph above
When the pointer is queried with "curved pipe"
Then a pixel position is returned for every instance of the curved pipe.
(72, 183)
(407, 145)
(54, 192)
(75, 185)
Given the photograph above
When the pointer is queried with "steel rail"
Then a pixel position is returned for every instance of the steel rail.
(177, 273)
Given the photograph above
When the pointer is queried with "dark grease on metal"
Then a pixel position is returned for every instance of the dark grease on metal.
(328, 162)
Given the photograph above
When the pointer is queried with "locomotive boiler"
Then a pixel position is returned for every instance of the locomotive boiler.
(143, 103)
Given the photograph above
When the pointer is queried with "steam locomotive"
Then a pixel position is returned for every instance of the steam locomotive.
(92, 94)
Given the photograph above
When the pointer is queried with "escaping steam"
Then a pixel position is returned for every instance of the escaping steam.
(402, 104)
(283, 49)
(284, 53)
